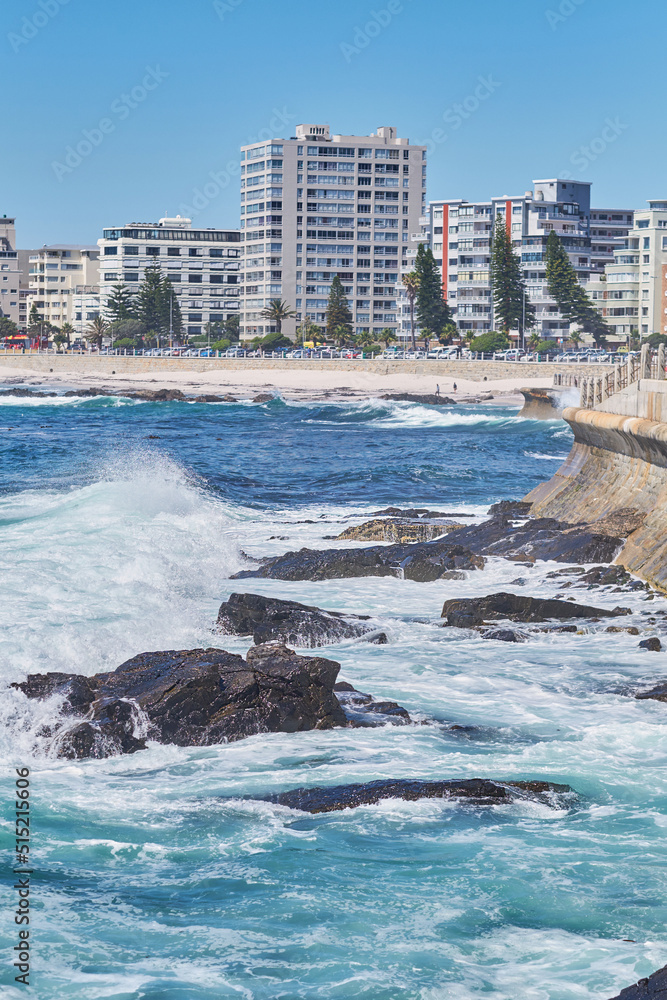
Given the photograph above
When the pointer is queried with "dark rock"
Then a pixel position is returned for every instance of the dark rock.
(267, 619)
(156, 395)
(511, 508)
(28, 392)
(657, 693)
(421, 561)
(479, 791)
(603, 576)
(504, 635)
(192, 697)
(652, 988)
(631, 630)
(538, 538)
(208, 398)
(653, 644)
(263, 397)
(428, 398)
(396, 530)
(469, 612)
(416, 512)
(363, 710)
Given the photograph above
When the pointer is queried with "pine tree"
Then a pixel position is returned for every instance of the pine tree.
(338, 311)
(510, 300)
(120, 304)
(150, 300)
(571, 298)
(433, 313)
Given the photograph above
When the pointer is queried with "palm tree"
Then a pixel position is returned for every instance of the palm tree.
(277, 311)
(576, 338)
(97, 329)
(411, 285)
(341, 335)
(388, 336)
(68, 330)
(534, 340)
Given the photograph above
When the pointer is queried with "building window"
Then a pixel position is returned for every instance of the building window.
(176, 251)
(153, 251)
(110, 251)
(131, 251)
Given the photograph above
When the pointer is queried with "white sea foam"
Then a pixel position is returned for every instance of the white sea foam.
(545, 458)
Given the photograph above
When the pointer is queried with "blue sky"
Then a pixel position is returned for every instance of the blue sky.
(504, 92)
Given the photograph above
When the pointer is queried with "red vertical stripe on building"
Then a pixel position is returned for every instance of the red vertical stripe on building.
(508, 218)
(445, 249)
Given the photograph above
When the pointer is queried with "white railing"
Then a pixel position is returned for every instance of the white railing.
(595, 390)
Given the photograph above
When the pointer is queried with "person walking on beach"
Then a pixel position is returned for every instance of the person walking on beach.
(454, 387)
(437, 390)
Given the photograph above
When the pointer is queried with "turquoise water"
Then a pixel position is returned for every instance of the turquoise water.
(158, 876)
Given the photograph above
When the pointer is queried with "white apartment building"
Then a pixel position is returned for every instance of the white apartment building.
(10, 271)
(86, 306)
(315, 206)
(54, 274)
(202, 264)
(632, 293)
(609, 228)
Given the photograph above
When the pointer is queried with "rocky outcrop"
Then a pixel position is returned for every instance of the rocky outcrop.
(504, 635)
(422, 561)
(429, 399)
(199, 697)
(538, 538)
(652, 987)
(651, 645)
(396, 530)
(545, 404)
(479, 791)
(413, 512)
(471, 612)
(597, 576)
(268, 619)
(657, 693)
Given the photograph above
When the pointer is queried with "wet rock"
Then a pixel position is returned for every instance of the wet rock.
(511, 508)
(478, 791)
(505, 635)
(28, 392)
(362, 710)
(631, 629)
(412, 512)
(473, 611)
(657, 693)
(396, 530)
(537, 538)
(267, 619)
(429, 399)
(156, 395)
(602, 576)
(652, 644)
(192, 697)
(209, 398)
(653, 987)
(421, 561)
(263, 397)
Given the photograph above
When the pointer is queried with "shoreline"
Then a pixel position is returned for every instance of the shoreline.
(293, 385)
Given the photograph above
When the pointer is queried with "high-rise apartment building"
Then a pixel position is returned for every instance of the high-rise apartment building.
(54, 274)
(10, 271)
(609, 228)
(315, 206)
(202, 265)
(632, 293)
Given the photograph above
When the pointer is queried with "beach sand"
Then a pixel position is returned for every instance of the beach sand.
(297, 384)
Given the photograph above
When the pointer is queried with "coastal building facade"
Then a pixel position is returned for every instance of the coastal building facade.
(459, 233)
(631, 295)
(54, 273)
(202, 264)
(10, 271)
(319, 205)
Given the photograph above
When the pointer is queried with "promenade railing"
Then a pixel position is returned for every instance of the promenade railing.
(596, 389)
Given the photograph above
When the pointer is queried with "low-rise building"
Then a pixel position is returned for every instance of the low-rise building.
(202, 264)
(54, 274)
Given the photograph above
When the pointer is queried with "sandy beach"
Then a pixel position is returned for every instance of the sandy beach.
(297, 384)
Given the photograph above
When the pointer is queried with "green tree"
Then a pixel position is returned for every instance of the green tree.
(510, 300)
(433, 313)
(97, 329)
(338, 312)
(67, 329)
(150, 300)
(494, 340)
(231, 328)
(411, 284)
(342, 335)
(276, 312)
(7, 327)
(388, 336)
(34, 320)
(274, 341)
(120, 304)
(571, 298)
(220, 345)
(130, 331)
(449, 331)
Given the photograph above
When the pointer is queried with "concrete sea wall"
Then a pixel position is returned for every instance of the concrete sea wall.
(475, 370)
(617, 461)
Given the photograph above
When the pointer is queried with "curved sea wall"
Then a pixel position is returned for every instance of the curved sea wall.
(616, 462)
(547, 404)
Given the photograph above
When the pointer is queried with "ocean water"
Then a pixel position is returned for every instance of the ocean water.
(160, 876)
